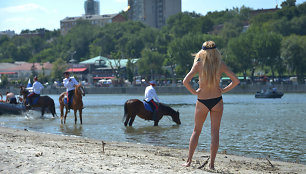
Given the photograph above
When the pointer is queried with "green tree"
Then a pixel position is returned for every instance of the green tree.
(293, 52)
(4, 81)
(150, 64)
(243, 54)
(79, 38)
(181, 24)
(267, 47)
(288, 3)
(59, 67)
(33, 71)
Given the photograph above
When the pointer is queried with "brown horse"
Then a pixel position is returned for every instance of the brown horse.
(43, 102)
(77, 103)
(135, 107)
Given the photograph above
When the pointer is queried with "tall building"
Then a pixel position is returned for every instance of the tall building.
(92, 7)
(153, 12)
(100, 20)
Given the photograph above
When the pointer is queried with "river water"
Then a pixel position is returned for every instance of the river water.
(250, 127)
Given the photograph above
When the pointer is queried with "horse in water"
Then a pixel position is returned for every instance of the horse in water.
(43, 102)
(77, 103)
(135, 107)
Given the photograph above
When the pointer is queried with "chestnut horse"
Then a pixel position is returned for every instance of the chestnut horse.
(43, 102)
(77, 103)
(135, 107)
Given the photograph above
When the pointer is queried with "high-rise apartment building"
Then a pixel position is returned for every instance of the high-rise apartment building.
(153, 12)
(92, 7)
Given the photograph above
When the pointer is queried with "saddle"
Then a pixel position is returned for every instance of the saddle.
(34, 100)
(66, 100)
(147, 106)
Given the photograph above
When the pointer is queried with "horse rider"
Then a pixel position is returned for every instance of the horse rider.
(69, 83)
(10, 98)
(36, 88)
(150, 95)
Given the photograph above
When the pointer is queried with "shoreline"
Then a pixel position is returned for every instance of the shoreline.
(241, 89)
(24, 151)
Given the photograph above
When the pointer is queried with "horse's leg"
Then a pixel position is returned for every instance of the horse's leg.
(127, 119)
(66, 109)
(158, 118)
(42, 111)
(132, 120)
(80, 113)
(51, 110)
(62, 112)
(75, 116)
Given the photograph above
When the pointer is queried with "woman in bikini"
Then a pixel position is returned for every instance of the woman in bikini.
(208, 65)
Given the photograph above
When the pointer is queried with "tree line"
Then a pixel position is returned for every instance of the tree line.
(271, 42)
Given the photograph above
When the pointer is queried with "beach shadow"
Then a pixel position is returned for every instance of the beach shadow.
(76, 130)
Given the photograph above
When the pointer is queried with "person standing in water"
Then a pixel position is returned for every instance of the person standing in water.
(69, 83)
(37, 87)
(10, 98)
(209, 66)
(150, 95)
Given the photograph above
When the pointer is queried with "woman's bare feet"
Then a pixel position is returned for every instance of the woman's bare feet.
(211, 167)
(187, 164)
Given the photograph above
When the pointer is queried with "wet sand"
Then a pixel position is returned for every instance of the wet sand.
(23, 151)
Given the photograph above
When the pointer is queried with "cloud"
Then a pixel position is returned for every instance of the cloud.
(23, 8)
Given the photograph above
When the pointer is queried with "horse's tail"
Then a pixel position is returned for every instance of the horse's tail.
(53, 108)
(125, 111)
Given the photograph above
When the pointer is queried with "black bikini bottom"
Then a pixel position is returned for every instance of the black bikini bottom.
(210, 103)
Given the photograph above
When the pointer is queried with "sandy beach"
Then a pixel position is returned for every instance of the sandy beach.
(24, 151)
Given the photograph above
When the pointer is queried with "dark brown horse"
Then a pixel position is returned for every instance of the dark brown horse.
(43, 102)
(135, 107)
(77, 103)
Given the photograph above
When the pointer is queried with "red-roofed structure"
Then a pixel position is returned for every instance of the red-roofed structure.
(8, 72)
(76, 70)
(23, 70)
(98, 78)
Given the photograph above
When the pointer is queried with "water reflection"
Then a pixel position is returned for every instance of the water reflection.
(75, 129)
(148, 129)
(151, 134)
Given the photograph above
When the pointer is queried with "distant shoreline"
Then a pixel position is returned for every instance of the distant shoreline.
(241, 89)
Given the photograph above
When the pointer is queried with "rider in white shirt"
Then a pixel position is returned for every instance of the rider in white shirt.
(150, 95)
(36, 88)
(69, 83)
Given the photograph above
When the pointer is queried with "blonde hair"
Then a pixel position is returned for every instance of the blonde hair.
(211, 61)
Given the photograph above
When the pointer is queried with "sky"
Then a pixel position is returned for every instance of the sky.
(19, 15)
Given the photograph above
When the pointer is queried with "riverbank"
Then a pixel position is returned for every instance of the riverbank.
(241, 89)
(24, 151)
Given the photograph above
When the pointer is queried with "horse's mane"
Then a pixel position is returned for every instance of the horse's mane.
(166, 107)
(77, 87)
(26, 91)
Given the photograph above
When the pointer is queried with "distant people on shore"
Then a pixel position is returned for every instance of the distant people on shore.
(69, 83)
(10, 98)
(209, 66)
(150, 95)
(1, 100)
(36, 88)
